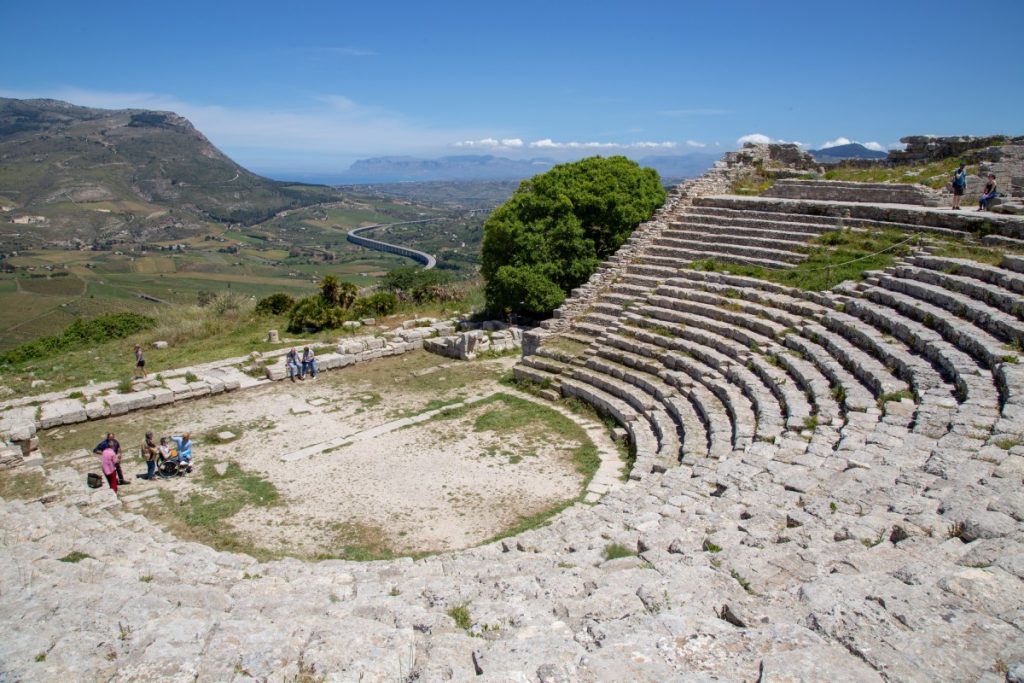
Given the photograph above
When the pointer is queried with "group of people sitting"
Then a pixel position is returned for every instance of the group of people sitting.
(299, 366)
(172, 455)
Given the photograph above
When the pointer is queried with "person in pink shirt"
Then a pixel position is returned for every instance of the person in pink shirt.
(109, 463)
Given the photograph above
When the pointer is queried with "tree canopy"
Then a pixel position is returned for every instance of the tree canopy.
(554, 231)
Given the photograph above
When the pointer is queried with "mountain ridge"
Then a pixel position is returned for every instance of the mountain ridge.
(93, 173)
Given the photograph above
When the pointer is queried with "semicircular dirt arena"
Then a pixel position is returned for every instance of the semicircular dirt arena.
(367, 462)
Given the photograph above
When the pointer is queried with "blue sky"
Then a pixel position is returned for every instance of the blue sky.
(308, 87)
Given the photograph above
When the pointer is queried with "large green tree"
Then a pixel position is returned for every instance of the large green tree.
(550, 236)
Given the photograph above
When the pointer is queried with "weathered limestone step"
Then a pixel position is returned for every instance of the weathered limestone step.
(924, 219)
(657, 347)
(769, 243)
(985, 348)
(699, 251)
(1005, 300)
(732, 302)
(993, 275)
(865, 367)
(676, 309)
(790, 301)
(992, 320)
(784, 238)
(855, 396)
(912, 368)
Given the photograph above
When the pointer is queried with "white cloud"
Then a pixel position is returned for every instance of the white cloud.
(490, 143)
(847, 141)
(762, 139)
(837, 142)
(694, 143)
(548, 143)
(756, 138)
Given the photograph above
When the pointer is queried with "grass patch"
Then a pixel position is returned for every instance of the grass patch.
(894, 396)
(202, 517)
(75, 556)
(741, 580)
(936, 174)
(23, 485)
(832, 258)
(460, 615)
(614, 551)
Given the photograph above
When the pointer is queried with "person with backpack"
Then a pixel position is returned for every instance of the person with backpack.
(959, 185)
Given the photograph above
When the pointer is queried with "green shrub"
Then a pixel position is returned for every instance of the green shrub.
(408, 278)
(614, 551)
(381, 303)
(558, 226)
(80, 334)
(312, 313)
(275, 304)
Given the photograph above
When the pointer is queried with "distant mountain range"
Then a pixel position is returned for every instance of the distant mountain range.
(393, 169)
(853, 150)
(99, 173)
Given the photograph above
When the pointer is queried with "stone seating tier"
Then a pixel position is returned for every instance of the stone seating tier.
(843, 191)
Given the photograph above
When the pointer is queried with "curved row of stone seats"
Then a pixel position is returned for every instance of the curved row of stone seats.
(1006, 326)
(915, 370)
(855, 396)
(696, 246)
(728, 417)
(680, 350)
(869, 215)
(845, 191)
(735, 339)
(792, 226)
(788, 217)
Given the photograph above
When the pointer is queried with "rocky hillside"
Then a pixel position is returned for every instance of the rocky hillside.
(84, 173)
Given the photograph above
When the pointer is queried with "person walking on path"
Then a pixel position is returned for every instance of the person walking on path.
(140, 362)
(959, 185)
(149, 453)
(308, 362)
(989, 193)
(108, 460)
(113, 444)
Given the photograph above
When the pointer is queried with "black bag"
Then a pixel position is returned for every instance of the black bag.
(94, 480)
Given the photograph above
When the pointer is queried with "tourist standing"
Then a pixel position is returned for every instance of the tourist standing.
(114, 445)
(989, 193)
(140, 362)
(108, 460)
(959, 185)
(149, 453)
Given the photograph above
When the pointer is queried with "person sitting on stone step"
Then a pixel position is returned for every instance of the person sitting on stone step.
(308, 362)
(989, 193)
(292, 361)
